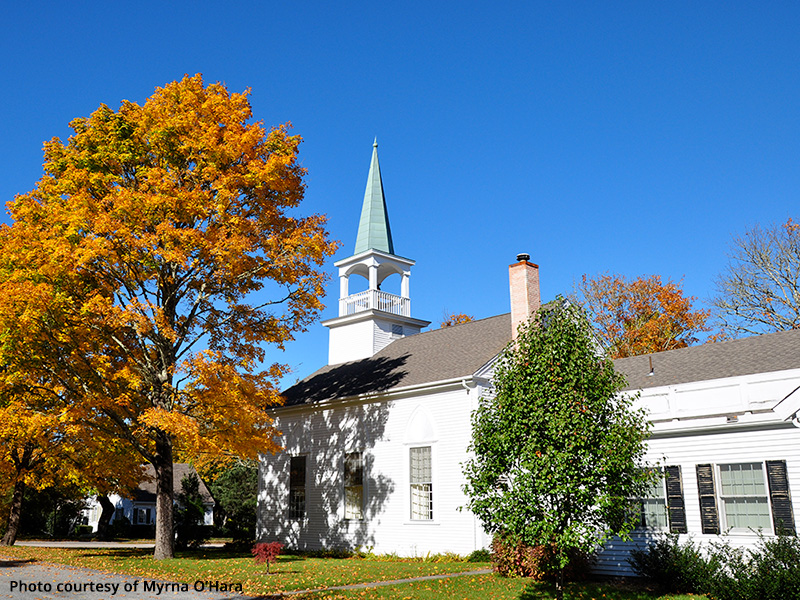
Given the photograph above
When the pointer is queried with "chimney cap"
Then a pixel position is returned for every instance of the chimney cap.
(523, 256)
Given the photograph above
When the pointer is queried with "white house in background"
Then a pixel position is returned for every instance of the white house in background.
(725, 428)
(374, 441)
(141, 508)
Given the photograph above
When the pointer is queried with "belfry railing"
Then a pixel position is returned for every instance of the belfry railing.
(376, 299)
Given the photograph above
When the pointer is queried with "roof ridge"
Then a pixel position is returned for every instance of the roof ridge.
(451, 327)
(717, 344)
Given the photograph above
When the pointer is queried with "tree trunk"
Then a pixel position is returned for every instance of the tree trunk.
(560, 583)
(103, 525)
(165, 538)
(14, 517)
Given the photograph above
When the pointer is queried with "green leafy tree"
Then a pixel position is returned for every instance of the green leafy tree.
(189, 527)
(557, 450)
(236, 492)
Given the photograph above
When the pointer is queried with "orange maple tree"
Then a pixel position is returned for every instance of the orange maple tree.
(641, 315)
(157, 255)
(41, 448)
(451, 319)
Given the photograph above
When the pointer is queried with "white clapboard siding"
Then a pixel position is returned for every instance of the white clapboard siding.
(718, 421)
(384, 431)
(727, 420)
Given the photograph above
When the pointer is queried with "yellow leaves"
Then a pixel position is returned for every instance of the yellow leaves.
(456, 319)
(147, 240)
(642, 315)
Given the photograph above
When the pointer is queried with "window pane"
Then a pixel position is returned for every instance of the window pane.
(353, 469)
(297, 487)
(747, 513)
(297, 471)
(421, 465)
(354, 499)
(744, 479)
(354, 482)
(654, 513)
(297, 503)
(421, 484)
(421, 501)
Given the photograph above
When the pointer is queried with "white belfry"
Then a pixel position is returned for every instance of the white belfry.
(371, 319)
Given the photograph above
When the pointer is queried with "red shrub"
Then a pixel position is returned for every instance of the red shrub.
(267, 553)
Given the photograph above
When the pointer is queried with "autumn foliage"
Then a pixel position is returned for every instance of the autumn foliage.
(145, 273)
(642, 315)
(266, 552)
(456, 319)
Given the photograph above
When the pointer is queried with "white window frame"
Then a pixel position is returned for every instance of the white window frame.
(654, 500)
(293, 514)
(417, 488)
(723, 498)
(354, 488)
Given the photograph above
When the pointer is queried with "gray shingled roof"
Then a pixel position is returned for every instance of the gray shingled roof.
(746, 356)
(146, 492)
(437, 355)
(461, 350)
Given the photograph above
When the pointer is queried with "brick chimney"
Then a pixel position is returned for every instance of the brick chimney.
(523, 278)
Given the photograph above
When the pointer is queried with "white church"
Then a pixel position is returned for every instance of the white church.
(374, 441)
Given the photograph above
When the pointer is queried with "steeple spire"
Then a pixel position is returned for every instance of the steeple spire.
(374, 232)
(370, 319)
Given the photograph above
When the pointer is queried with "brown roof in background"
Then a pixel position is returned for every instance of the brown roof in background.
(146, 492)
(746, 356)
(461, 350)
(436, 355)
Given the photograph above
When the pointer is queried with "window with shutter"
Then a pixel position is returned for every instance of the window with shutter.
(743, 495)
(654, 506)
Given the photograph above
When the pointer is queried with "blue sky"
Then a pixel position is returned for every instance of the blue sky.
(630, 137)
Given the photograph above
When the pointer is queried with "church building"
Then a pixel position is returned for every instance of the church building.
(374, 441)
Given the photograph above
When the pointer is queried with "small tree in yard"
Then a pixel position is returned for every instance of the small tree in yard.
(189, 515)
(557, 450)
(267, 553)
(236, 489)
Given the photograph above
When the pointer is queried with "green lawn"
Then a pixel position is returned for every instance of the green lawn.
(303, 573)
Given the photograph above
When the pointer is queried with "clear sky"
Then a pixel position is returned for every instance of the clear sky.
(630, 137)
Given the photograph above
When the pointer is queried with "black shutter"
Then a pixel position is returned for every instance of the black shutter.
(708, 499)
(782, 515)
(675, 504)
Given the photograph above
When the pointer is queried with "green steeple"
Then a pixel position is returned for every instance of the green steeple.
(374, 232)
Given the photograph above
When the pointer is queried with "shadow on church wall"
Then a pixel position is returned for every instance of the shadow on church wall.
(324, 434)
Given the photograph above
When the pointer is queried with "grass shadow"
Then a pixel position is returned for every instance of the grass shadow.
(16, 563)
(588, 591)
